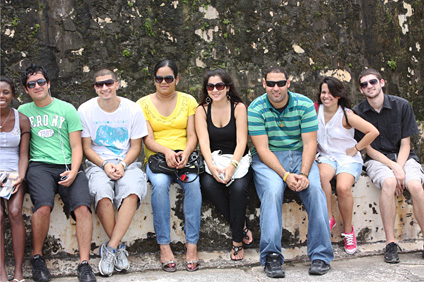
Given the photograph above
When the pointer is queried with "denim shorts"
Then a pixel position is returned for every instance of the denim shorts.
(354, 169)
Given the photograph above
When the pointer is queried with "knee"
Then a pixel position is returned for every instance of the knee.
(104, 203)
(344, 191)
(132, 198)
(43, 211)
(415, 188)
(15, 214)
(389, 186)
(82, 212)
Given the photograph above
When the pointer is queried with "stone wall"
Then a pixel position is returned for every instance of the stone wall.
(74, 38)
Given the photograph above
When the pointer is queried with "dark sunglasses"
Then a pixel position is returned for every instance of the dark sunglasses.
(40, 82)
(168, 78)
(365, 83)
(108, 83)
(280, 83)
(219, 86)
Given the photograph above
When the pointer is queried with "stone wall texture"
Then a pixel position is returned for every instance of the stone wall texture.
(311, 39)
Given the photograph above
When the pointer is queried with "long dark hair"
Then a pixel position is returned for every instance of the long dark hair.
(10, 82)
(226, 78)
(336, 90)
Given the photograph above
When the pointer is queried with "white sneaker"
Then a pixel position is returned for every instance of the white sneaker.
(107, 260)
(121, 260)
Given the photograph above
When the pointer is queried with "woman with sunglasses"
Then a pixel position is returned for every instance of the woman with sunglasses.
(221, 124)
(338, 151)
(170, 122)
(14, 142)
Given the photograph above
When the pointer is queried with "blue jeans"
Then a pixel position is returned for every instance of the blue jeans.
(162, 208)
(270, 188)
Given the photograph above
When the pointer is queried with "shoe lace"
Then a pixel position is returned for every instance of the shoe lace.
(108, 258)
(121, 252)
(392, 248)
(39, 263)
(85, 269)
(348, 238)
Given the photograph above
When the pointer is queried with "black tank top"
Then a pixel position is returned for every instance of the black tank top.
(223, 138)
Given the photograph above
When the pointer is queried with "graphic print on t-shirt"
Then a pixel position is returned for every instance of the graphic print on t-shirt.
(112, 138)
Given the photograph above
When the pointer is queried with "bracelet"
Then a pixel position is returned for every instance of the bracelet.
(356, 148)
(235, 163)
(304, 174)
(103, 165)
(285, 176)
(124, 165)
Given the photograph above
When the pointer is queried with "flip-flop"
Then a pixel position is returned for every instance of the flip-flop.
(170, 266)
(236, 250)
(23, 280)
(245, 230)
(192, 262)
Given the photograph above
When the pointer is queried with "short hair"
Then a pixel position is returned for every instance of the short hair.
(103, 72)
(369, 71)
(31, 70)
(226, 78)
(10, 82)
(276, 69)
(167, 63)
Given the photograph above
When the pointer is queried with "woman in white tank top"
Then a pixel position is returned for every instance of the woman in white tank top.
(338, 151)
(14, 141)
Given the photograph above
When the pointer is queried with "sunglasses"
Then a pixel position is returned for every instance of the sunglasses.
(108, 83)
(365, 83)
(168, 78)
(219, 86)
(280, 83)
(40, 82)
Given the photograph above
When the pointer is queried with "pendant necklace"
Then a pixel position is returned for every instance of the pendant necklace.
(1, 126)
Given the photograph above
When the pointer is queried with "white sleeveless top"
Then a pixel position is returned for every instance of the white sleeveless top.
(9, 147)
(334, 139)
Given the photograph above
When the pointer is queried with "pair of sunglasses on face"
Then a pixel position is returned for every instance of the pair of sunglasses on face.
(365, 83)
(40, 82)
(280, 83)
(219, 86)
(168, 79)
(107, 82)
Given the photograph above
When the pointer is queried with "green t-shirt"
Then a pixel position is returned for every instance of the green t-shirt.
(50, 128)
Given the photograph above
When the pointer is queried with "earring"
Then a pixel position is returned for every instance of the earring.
(208, 100)
(228, 96)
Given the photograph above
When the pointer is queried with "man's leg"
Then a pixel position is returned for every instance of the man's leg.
(106, 215)
(270, 189)
(388, 208)
(123, 221)
(84, 230)
(417, 194)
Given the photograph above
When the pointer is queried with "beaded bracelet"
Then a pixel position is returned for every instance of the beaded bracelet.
(235, 163)
(304, 174)
(356, 148)
(285, 176)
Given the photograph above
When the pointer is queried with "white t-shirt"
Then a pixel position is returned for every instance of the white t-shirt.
(111, 132)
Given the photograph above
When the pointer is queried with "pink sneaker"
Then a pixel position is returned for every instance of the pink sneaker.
(332, 223)
(350, 242)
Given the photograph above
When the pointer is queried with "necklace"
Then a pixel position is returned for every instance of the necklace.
(1, 126)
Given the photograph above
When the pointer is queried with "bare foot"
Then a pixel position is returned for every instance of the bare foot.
(166, 254)
(247, 236)
(192, 255)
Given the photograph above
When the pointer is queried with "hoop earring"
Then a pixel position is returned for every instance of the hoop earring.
(228, 96)
(208, 100)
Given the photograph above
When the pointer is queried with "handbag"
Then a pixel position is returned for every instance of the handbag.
(223, 160)
(195, 165)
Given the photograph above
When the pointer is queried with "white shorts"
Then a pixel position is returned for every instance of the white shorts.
(101, 186)
(379, 172)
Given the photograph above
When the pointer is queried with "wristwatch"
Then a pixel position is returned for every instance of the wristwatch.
(124, 165)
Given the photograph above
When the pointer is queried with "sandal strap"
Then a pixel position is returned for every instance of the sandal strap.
(237, 249)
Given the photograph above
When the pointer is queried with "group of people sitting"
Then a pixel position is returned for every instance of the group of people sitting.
(296, 145)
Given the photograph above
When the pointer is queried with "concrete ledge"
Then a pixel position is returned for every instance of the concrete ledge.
(61, 251)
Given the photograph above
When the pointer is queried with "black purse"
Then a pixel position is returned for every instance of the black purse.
(195, 164)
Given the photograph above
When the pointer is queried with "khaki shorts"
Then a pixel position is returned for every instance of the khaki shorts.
(379, 172)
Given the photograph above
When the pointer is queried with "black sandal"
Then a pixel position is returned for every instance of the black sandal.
(245, 230)
(236, 249)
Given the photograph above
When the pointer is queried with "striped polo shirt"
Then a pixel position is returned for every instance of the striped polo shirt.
(284, 130)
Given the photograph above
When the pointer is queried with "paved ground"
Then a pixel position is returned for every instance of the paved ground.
(367, 268)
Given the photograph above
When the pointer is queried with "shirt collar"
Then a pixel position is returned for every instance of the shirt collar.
(290, 105)
(386, 104)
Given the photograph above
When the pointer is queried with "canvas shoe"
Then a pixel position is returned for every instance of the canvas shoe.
(350, 242)
(332, 223)
(106, 264)
(121, 260)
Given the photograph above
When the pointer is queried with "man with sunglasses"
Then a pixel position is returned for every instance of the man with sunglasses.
(113, 127)
(283, 127)
(390, 162)
(55, 167)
